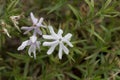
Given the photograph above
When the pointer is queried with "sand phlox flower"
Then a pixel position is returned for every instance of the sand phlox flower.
(33, 43)
(4, 28)
(36, 25)
(15, 20)
(57, 40)
(6, 32)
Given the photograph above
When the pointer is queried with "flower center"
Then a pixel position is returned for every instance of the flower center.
(60, 39)
(34, 25)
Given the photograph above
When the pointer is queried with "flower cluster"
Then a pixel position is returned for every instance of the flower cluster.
(56, 38)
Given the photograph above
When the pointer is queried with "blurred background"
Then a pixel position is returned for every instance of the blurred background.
(95, 25)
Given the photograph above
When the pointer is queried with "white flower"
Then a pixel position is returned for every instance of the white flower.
(57, 40)
(4, 28)
(15, 20)
(33, 43)
(36, 25)
(6, 31)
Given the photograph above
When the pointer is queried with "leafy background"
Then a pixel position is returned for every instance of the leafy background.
(95, 25)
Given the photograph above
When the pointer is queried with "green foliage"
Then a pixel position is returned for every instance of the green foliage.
(95, 25)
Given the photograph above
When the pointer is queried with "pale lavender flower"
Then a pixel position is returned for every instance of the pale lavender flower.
(36, 25)
(33, 43)
(57, 40)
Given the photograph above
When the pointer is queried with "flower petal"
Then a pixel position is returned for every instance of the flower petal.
(34, 20)
(37, 30)
(28, 29)
(40, 22)
(68, 36)
(34, 54)
(51, 30)
(60, 32)
(6, 31)
(65, 49)
(32, 49)
(23, 45)
(38, 45)
(50, 43)
(48, 37)
(60, 51)
(33, 39)
(43, 26)
(51, 49)
(68, 42)
(25, 28)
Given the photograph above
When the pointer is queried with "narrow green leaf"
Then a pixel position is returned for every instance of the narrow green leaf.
(26, 69)
(73, 76)
(91, 5)
(76, 13)
(12, 5)
(18, 56)
(57, 6)
(1, 68)
(107, 3)
(97, 35)
(115, 29)
(77, 51)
